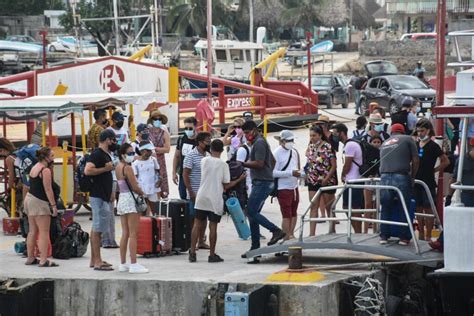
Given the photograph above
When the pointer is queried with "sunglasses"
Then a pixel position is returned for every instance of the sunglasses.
(157, 119)
(237, 126)
(189, 128)
(131, 154)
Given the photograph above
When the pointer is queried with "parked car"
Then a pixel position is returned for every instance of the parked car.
(377, 68)
(331, 89)
(418, 36)
(68, 44)
(389, 92)
(23, 38)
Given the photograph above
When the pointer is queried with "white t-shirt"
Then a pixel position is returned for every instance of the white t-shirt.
(214, 173)
(147, 172)
(242, 156)
(286, 180)
(352, 149)
(121, 135)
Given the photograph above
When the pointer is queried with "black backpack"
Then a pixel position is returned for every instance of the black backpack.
(70, 243)
(370, 159)
(80, 239)
(84, 182)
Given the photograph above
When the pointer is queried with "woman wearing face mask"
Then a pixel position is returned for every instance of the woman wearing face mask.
(429, 152)
(160, 138)
(376, 128)
(126, 208)
(320, 172)
(40, 205)
(234, 137)
(147, 171)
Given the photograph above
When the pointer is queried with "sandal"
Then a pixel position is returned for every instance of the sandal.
(48, 264)
(104, 263)
(103, 268)
(32, 263)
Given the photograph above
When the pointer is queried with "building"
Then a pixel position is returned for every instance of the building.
(411, 16)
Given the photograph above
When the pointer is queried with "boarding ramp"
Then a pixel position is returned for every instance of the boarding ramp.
(417, 251)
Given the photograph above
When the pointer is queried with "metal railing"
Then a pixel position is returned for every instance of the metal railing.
(355, 184)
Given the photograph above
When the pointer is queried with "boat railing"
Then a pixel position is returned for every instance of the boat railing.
(366, 183)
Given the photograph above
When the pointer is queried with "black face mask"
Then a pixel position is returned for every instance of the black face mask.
(105, 122)
(119, 124)
(113, 147)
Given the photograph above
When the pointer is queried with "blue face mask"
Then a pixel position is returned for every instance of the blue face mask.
(157, 123)
(418, 109)
(378, 128)
(189, 133)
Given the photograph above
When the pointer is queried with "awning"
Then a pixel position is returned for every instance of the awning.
(38, 107)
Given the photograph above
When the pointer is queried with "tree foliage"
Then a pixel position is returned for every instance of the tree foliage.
(29, 7)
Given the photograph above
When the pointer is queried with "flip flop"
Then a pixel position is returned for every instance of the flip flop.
(48, 264)
(103, 268)
(32, 263)
(104, 263)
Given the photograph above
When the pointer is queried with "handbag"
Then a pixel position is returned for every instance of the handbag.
(140, 202)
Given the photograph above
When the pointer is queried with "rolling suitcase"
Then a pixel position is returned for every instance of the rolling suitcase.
(178, 211)
(166, 233)
(148, 239)
(238, 217)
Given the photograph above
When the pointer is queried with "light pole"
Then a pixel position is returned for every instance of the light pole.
(209, 51)
(351, 14)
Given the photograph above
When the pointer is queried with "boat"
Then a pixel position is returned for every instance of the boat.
(232, 59)
(12, 46)
(298, 57)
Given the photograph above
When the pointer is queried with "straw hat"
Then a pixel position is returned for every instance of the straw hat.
(376, 118)
(157, 114)
(323, 119)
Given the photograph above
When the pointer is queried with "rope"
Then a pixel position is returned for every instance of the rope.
(326, 111)
(288, 127)
(370, 299)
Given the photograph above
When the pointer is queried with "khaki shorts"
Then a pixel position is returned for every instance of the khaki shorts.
(35, 207)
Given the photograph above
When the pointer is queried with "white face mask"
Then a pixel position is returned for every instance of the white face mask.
(424, 138)
(289, 146)
(128, 159)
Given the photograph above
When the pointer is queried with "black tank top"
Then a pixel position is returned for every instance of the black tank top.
(37, 188)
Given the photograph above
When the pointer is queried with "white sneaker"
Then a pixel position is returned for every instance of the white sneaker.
(137, 268)
(124, 267)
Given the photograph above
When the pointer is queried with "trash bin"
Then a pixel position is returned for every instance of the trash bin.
(32, 298)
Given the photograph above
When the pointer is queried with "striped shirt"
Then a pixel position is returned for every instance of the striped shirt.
(193, 161)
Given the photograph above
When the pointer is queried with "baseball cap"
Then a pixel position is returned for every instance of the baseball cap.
(117, 116)
(141, 127)
(376, 118)
(106, 134)
(285, 135)
(407, 102)
(398, 128)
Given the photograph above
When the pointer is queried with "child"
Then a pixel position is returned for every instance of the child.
(142, 135)
(375, 141)
(147, 171)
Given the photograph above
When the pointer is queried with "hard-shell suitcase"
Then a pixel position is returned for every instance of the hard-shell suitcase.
(178, 211)
(148, 238)
(166, 233)
(238, 217)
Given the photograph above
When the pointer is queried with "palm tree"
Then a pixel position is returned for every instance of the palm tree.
(303, 13)
(192, 14)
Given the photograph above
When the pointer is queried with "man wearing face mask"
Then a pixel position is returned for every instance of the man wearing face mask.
(100, 117)
(350, 171)
(192, 175)
(261, 164)
(186, 143)
(429, 152)
(287, 171)
(376, 128)
(99, 168)
(120, 131)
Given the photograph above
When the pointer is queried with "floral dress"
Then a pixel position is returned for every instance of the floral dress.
(157, 137)
(318, 164)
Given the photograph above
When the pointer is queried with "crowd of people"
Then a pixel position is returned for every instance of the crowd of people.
(120, 171)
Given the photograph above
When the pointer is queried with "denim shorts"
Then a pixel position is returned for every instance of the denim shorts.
(100, 215)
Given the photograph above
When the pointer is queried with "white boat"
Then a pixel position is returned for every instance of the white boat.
(20, 47)
(232, 59)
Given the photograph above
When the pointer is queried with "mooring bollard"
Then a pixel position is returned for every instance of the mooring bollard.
(295, 258)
